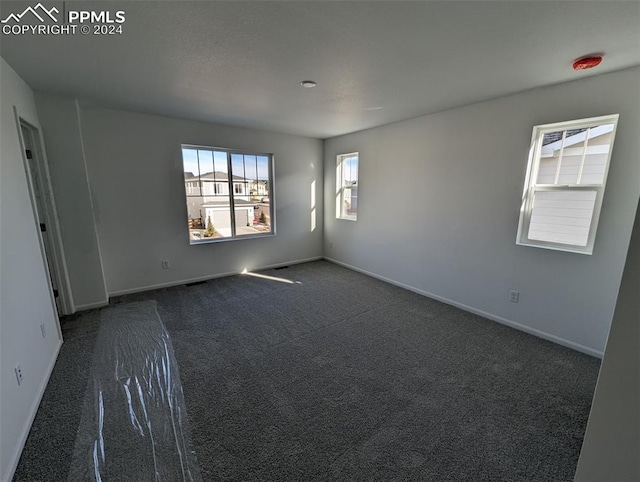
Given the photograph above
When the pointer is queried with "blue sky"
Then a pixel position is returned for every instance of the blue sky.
(244, 165)
(350, 166)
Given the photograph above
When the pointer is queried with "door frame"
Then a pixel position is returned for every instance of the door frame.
(57, 259)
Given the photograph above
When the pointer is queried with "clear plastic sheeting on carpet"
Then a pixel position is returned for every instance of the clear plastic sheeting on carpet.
(134, 422)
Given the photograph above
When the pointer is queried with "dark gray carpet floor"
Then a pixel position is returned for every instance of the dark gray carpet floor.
(338, 376)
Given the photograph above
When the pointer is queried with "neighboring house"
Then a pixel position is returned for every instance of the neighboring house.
(217, 184)
(577, 166)
(208, 197)
(350, 198)
(259, 188)
(219, 213)
(569, 177)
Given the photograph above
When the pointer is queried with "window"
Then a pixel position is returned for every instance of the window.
(219, 203)
(347, 186)
(192, 188)
(564, 186)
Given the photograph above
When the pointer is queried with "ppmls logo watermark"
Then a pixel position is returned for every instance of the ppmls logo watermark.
(40, 20)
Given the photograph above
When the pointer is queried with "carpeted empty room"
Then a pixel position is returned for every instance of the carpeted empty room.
(317, 372)
(319, 241)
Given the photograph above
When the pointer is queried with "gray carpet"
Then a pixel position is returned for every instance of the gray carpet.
(338, 376)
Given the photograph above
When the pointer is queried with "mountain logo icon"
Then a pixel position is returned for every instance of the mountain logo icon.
(34, 10)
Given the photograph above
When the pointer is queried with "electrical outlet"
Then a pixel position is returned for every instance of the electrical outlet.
(19, 377)
(165, 264)
(514, 296)
(43, 330)
(331, 245)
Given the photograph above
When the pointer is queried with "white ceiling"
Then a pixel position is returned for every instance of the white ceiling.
(241, 62)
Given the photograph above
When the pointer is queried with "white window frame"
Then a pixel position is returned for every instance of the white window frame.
(531, 187)
(231, 195)
(340, 186)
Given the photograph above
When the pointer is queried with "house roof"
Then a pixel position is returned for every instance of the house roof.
(212, 176)
(574, 136)
(551, 137)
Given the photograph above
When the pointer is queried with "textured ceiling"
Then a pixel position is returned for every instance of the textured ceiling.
(241, 62)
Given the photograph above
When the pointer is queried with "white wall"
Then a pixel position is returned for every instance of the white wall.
(611, 447)
(25, 298)
(71, 190)
(461, 173)
(137, 184)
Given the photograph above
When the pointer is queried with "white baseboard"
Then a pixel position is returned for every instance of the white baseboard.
(470, 309)
(15, 457)
(90, 306)
(141, 289)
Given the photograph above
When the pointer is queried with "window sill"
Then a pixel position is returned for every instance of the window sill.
(193, 242)
(553, 247)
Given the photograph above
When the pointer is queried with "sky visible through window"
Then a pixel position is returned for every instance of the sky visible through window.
(201, 161)
(350, 165)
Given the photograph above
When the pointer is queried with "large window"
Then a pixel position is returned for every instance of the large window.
(228, 193)
(564, 187)
(347, 186)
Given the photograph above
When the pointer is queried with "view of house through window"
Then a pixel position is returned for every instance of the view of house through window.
(347, 186)
(565, 184)
(228, 193)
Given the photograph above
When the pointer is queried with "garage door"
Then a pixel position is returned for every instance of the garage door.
(242, 217)
(220, 219)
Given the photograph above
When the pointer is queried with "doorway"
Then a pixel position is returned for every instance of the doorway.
(46, 218)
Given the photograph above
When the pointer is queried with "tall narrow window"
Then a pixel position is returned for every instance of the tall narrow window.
(564, 187)
(347, 186)
(228, 193)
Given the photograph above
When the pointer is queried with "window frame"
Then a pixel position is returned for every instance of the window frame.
(531, 186)
(231, 195)
(340, 185)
